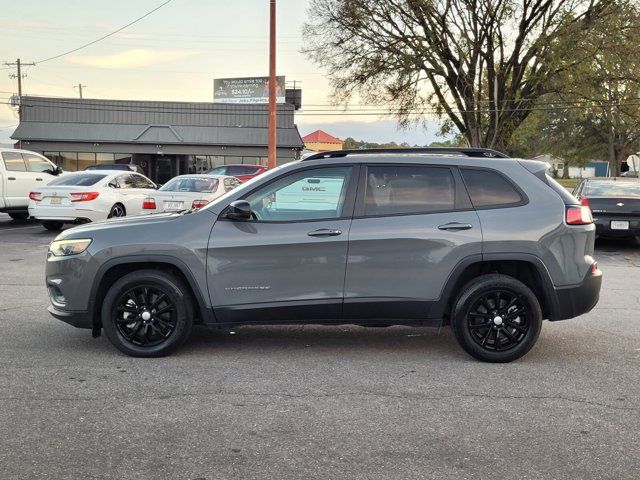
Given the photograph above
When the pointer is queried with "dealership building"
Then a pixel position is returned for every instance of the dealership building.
(164, 138)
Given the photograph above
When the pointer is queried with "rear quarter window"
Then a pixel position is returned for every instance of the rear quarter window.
(489, 189)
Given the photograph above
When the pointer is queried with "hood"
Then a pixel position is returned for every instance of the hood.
(88, 229)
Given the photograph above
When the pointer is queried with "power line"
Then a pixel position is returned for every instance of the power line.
(107, 35)
(209, 109)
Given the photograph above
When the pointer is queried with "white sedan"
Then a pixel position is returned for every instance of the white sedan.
(186, 192)
(81, 197)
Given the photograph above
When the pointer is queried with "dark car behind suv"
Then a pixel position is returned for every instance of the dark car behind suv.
(466, 237)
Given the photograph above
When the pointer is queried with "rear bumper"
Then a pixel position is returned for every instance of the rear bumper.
(66, 215)
(77, 319)
(577, 299)
(603, 226)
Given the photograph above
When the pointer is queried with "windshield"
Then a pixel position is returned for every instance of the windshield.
(613, 189)
(79, 180)
(191, 184)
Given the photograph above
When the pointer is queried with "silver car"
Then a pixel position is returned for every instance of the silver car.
(426, 237)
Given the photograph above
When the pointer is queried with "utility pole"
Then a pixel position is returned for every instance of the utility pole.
(272, 85)
(19, 76)
(79, 87)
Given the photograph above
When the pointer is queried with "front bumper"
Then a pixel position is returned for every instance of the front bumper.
(77, 319)
(577, 299)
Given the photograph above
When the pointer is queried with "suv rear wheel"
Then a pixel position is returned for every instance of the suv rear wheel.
(147, 313)
(496, 318)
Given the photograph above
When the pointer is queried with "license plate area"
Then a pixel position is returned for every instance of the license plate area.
(619, 225)
(173, 205)
(56, 200)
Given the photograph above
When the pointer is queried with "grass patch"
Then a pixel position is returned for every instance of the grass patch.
(569, 182)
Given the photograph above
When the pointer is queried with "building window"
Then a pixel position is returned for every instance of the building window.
(105, 158)
(69, 161)
(85, 160)
(122, 158)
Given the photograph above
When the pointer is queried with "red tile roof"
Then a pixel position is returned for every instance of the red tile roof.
(320, 136)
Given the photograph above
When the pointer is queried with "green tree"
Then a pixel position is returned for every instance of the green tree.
(596, 115)
(480, 64)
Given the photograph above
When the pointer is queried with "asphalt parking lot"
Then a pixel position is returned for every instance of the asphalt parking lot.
(316, 402)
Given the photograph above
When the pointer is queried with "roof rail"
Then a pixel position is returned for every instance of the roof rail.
(467, 151)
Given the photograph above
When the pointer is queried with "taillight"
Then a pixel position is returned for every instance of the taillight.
(149, 204)
(83, 196)
(585, 202)
(578, 215)
(35, 196)
(198, 204)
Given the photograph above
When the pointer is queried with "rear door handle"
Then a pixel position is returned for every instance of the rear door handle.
(455, 226)
(11, 178)
(38, 179)
(325, 232)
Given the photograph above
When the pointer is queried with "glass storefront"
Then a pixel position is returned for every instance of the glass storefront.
(164, 166)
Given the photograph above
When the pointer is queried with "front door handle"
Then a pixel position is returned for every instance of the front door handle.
(325, 232)
(455, 226)
(11, 178)
(38, 179)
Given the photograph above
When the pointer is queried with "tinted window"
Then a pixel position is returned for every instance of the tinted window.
(127, 181)
(37, 163)
(241, 170)
(612, 189)
(142, 182)
(13, 162)
(405, 189)
(306, 195)
(488, 189)
(191, 184)
(81, 180)
(218, 171)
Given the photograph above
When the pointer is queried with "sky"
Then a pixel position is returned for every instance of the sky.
(173, 54)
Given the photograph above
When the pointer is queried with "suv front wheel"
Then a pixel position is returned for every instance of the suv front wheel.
(147, 313)
(496, 318)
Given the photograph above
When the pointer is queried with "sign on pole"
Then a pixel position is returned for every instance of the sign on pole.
(246, 90)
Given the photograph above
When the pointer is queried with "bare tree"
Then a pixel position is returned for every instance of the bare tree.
(479, 64)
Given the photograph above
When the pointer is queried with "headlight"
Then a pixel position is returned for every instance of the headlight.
(63, 248)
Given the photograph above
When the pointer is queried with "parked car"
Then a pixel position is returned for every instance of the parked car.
(185, 192)
(241, 172)
(126, 167)
(614, 203)
(21, 172)
(420, 237)
(82, 197)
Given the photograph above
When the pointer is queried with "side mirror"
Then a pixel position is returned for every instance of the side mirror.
(158, 185)
(239, 210)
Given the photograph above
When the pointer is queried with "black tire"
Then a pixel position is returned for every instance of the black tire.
(117, 211)
(19, 216)
(157, 334)
(496, 331)
(53, 226)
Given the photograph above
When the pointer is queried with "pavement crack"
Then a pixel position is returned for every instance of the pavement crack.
(171, 396)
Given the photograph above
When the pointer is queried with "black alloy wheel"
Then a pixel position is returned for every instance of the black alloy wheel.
(117, 211)
(496, 318)
(148, 313)
(146, 316)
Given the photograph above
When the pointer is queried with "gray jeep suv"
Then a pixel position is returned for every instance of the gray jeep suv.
(466, 237)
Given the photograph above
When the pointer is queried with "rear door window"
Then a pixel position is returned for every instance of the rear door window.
(37, 163)
(398, 190)
(490, 189)
(14, 162)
